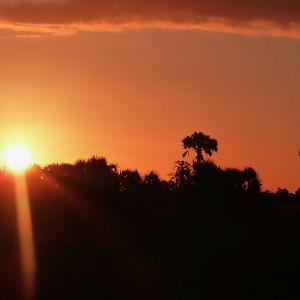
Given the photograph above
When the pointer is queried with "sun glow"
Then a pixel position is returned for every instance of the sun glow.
(17, 158)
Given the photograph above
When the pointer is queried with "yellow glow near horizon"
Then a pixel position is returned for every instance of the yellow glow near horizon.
(17, 158)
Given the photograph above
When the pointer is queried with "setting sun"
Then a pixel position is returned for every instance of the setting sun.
(17, 158)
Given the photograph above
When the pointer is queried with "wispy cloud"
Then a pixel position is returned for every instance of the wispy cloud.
(277, 17)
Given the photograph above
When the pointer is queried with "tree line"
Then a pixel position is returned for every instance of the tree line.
(102, 232)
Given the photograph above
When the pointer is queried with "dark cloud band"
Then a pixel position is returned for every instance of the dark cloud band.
(262, 16)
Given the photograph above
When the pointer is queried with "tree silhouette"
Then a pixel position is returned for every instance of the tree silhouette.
(130, 180)
(243, 180)
(200, 143)
(182, 173)
(152, 179)
(233, 179)
(251, 182)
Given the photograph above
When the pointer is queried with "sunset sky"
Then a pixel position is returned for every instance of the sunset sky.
(130, 79)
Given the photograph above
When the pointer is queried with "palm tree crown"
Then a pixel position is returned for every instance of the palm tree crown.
(200, 143)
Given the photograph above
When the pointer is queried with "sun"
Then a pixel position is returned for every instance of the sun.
(17, 158)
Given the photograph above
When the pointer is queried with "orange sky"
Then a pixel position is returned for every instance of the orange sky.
(133, 95)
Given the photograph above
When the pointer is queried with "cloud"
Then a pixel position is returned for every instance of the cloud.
(277, 17)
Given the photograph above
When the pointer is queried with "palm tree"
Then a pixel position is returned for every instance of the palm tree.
(200, 143)
(244, 180)
(251, 182)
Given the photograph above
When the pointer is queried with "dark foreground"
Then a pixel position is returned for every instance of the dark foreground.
(105, 234)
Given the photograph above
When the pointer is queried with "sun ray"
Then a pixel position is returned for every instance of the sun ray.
(25, 236)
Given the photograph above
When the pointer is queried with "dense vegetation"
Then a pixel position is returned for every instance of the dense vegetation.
(105, 233)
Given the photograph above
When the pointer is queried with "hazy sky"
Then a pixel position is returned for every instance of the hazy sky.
(129, 81)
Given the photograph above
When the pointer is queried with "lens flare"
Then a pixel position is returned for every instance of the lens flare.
(26, 238)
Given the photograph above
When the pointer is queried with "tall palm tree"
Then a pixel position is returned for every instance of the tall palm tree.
(200, 143)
